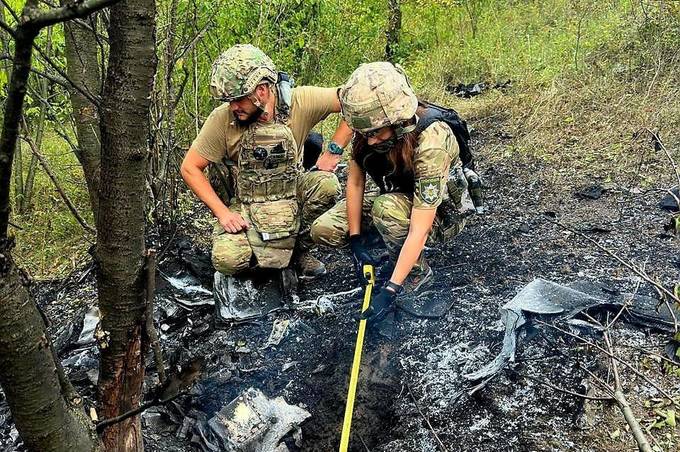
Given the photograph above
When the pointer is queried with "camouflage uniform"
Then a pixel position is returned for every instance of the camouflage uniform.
(375, 96)
(264, 160)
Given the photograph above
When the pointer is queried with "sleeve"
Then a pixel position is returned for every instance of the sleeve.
(211, 141)
(316, 103)
(437, 149)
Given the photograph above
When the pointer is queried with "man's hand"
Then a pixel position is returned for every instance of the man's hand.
(328, 161)
(232, 222)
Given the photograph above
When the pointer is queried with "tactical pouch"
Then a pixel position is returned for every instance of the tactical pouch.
(275, 219)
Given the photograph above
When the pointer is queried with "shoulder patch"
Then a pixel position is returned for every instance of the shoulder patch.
(428, 189)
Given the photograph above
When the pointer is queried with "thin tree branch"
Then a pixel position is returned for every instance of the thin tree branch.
(144, 406)
(67, 12)
(53, 177)
(415, 402)
(592, 344)
(52, 78)
(627, 411)
(634, 268)
(565, 391)
(84, 91)
(657, 139)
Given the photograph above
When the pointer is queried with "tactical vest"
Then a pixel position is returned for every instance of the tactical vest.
(266, 176)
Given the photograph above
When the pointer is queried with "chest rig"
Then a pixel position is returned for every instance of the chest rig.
(266, 176)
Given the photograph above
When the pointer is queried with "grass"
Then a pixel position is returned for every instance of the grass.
(587, 78)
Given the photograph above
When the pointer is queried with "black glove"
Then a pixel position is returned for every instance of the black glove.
(382, 304)
(360, 256)
(359, 252)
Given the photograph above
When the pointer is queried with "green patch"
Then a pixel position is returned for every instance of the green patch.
(429, 189)
(360, 122)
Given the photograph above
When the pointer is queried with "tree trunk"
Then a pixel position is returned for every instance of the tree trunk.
(48, 417)
(121, 220)
(46, 411)
(82, 67)
(393, 30)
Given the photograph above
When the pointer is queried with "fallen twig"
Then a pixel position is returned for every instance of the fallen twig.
(415, 402)
(144, 406)
(361, 438)
(627, 411)
(173, 387)
(565, 391)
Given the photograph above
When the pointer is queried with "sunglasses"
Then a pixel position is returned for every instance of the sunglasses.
(371, 133)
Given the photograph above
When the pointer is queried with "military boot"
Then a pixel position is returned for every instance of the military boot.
(419, 278)
(308, 266)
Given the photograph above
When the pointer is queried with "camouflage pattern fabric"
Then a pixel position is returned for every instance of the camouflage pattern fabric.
(437, 150)
(378, 95)
(389, 213)
(232, 253)
(269, 163)
(237, 72)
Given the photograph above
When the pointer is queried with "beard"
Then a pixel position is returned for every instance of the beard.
(254, 116)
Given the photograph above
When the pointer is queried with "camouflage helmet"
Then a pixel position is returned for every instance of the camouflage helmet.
(378, 95)
(239, 70)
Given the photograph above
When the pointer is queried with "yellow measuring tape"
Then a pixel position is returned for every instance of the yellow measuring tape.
(354, 376)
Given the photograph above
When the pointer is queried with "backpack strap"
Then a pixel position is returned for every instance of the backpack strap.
(457, 125)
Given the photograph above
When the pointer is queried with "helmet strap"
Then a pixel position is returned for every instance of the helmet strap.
(406, 127)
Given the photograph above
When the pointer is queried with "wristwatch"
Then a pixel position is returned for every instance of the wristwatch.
(394, 287)
(335, 149)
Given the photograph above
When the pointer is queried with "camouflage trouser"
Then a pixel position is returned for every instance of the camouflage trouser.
(317, 192)
(389, 213)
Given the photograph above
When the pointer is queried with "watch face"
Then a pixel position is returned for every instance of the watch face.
(333, 148)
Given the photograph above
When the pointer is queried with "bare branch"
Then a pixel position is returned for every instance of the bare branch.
(657, 139)
(634, 268)
(84, 91)
(627, 411)
(67, 12)
(600, 348)
(565, 391)
(53, 177)
(415, 402)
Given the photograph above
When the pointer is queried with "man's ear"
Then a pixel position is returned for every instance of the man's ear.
(262, 91)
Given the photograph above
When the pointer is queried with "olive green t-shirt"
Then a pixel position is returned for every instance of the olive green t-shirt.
(220, 135)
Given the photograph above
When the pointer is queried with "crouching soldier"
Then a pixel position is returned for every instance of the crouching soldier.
(409, 152)
(258, 133)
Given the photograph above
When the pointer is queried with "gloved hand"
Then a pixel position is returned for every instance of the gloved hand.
(382, 303)
(359, 252)
(360, 256)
